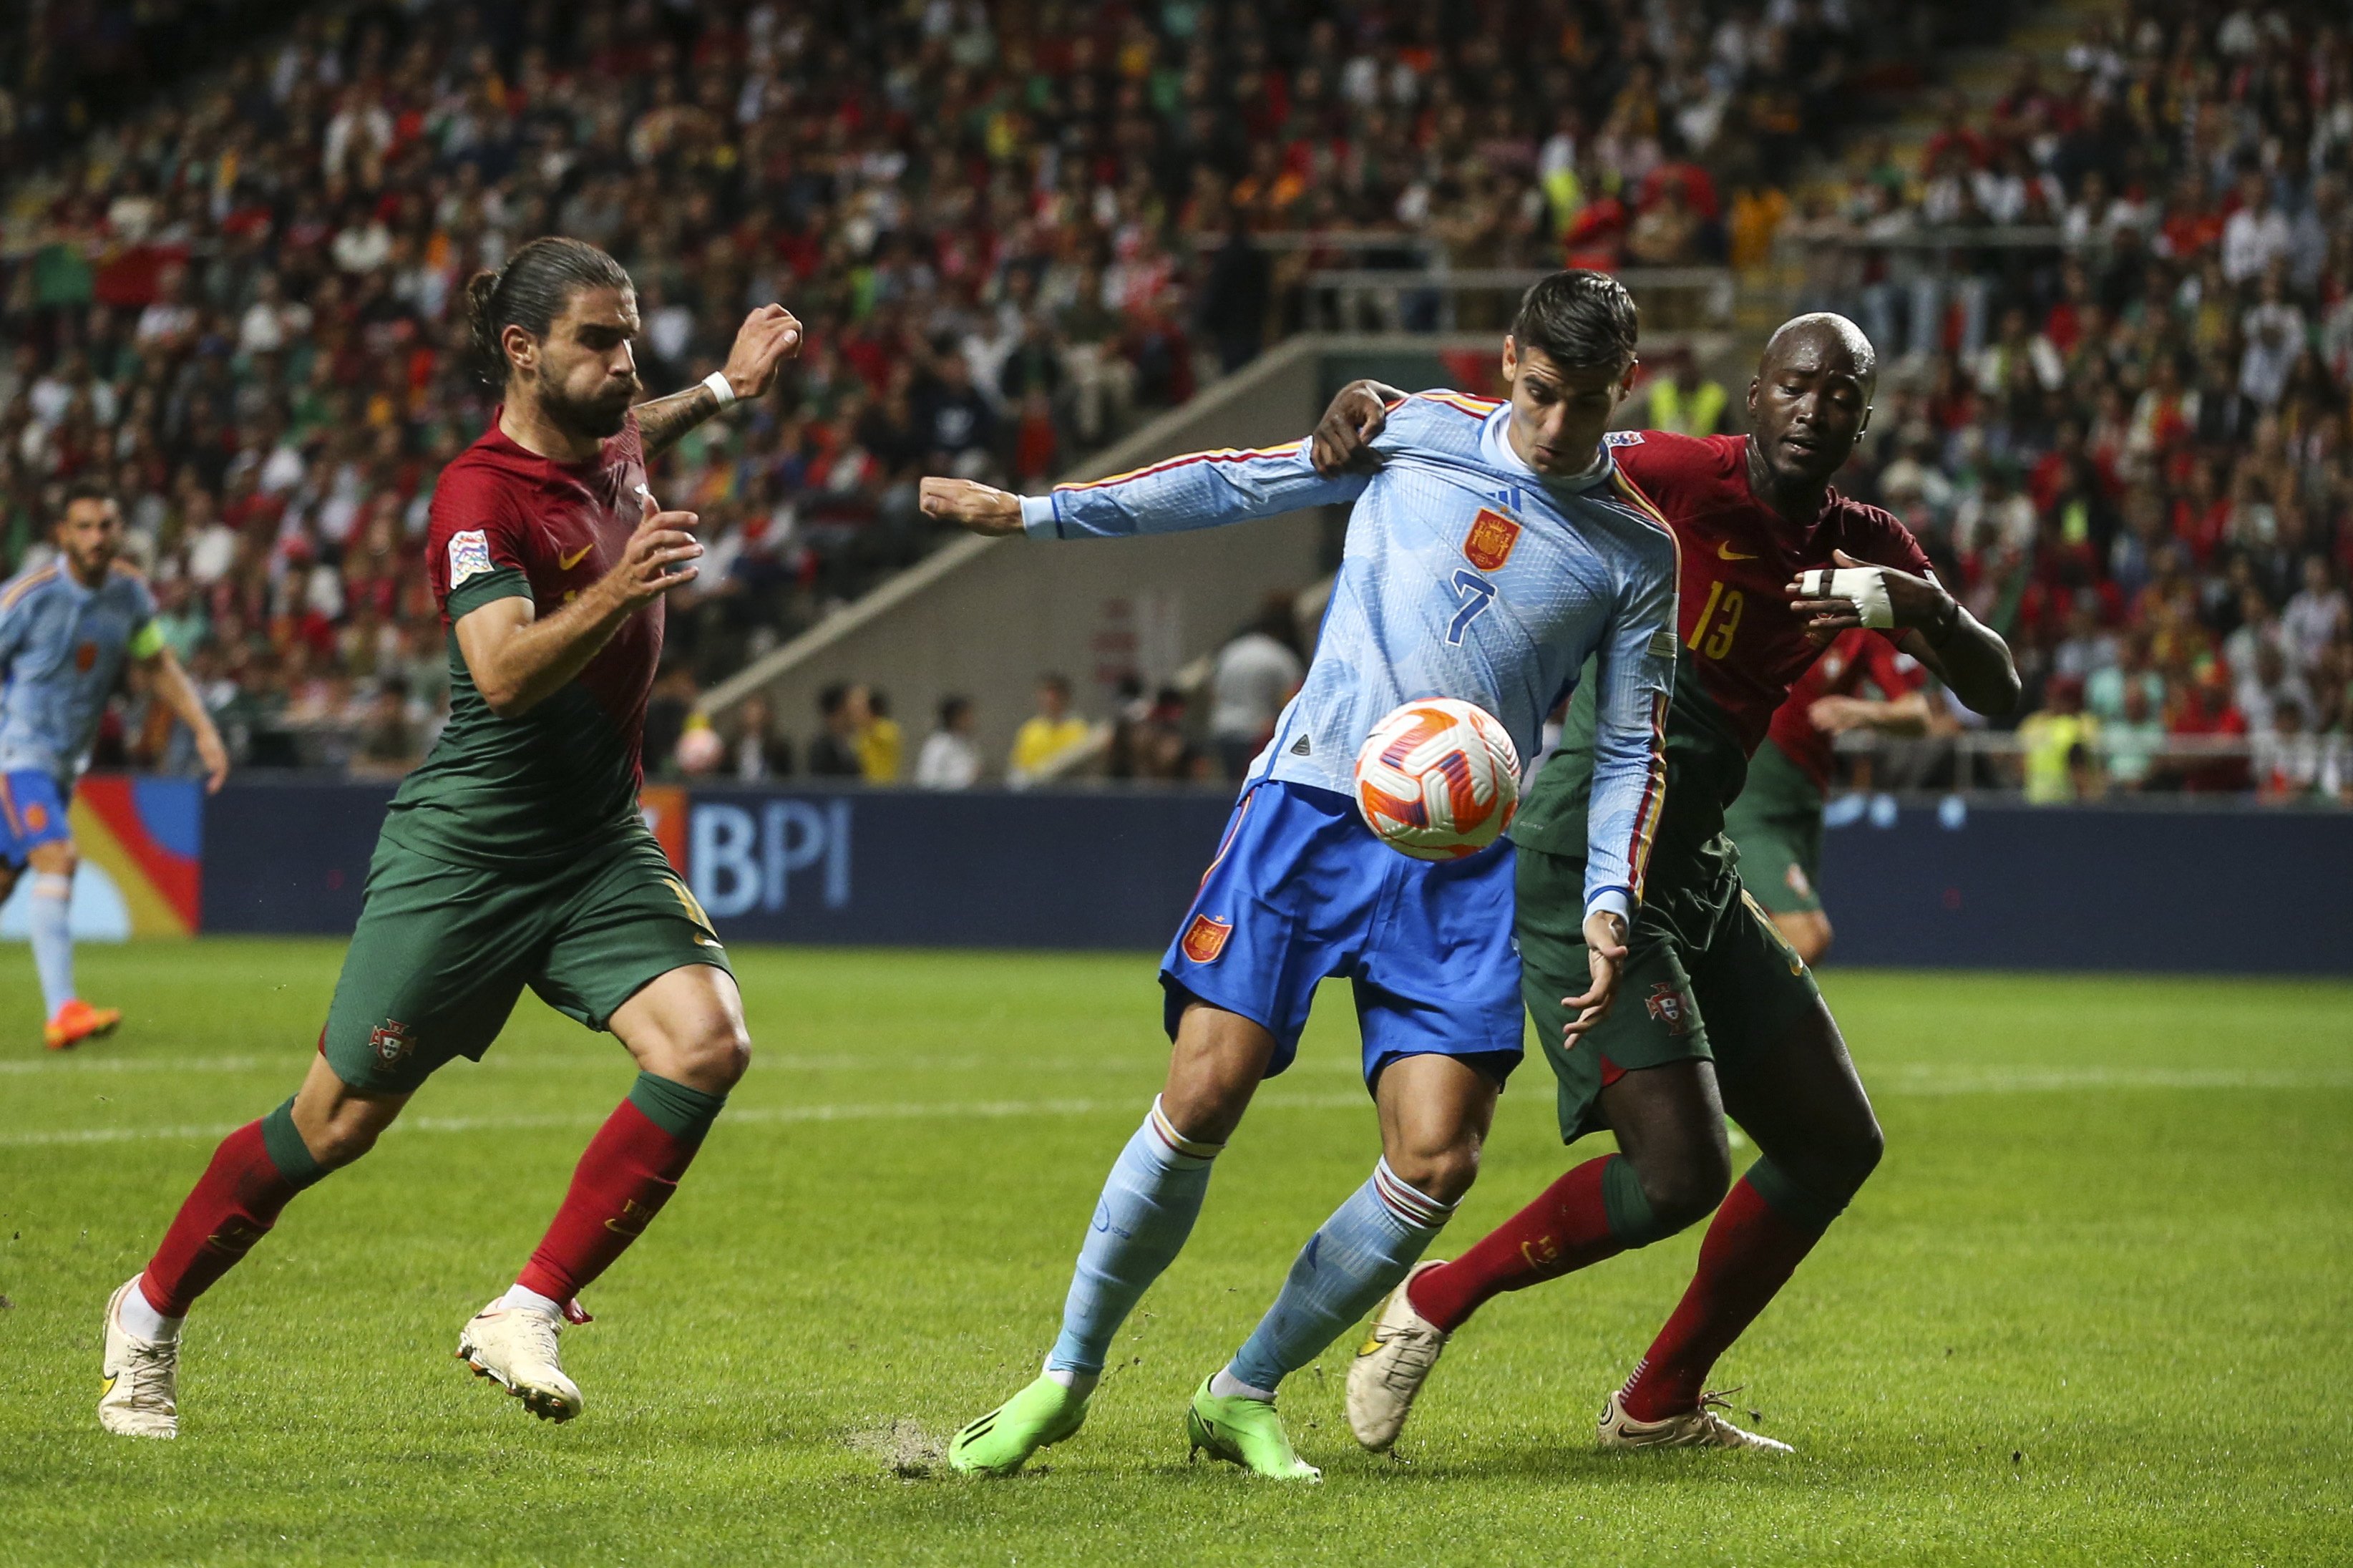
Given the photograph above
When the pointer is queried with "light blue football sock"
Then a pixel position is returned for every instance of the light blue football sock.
(1356, 1258)
(52, 935)
(1147, 1211)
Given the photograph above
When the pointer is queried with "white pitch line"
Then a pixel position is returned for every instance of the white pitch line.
(1925, 1078)
(1919, 1079)
(763, 1115)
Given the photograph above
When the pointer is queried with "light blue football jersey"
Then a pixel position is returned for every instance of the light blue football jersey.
(1467, 575)
(61, 650)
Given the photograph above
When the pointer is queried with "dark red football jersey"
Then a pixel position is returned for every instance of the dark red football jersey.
(541, 785)
(562, 526)
(1856, 658)
(1747, 646)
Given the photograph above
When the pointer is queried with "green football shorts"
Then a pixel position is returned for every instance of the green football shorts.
(1707, 977)
(442, 951)
(1778, 824)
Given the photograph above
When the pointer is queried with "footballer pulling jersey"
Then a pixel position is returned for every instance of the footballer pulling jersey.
(1740, 645)
(540, 786)
(62, 649)
(1466, 575)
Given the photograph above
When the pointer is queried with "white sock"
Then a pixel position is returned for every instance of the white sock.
(48, 924)
(142, 1322)
(517, 1296)
(1081, 1383)
(1226, 1385)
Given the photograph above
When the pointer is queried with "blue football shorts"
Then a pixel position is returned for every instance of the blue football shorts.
(32, 812)
(1301, 891)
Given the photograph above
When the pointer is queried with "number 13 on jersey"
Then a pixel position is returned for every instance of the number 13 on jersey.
(1719, 619)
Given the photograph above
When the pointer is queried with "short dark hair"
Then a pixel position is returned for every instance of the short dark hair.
(829, 699)
(952, 708)
(1057, 684)
(1581, 319)
(86, 490)
(530, 291)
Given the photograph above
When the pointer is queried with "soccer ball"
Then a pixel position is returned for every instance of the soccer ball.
(1438, 779)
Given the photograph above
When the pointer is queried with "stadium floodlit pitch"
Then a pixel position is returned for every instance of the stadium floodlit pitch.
(2093, 1308)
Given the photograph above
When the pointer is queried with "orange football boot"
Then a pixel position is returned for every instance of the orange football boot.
(77, 1021)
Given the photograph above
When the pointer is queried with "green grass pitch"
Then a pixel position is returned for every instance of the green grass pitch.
(2094, 1309)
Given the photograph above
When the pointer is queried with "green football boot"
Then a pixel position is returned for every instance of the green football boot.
(1246, 1432)
(1000, 1443)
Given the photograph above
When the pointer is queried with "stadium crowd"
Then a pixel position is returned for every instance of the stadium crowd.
(1009, 229)
(2128, 437)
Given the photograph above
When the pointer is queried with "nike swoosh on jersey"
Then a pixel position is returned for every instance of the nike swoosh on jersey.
(1725, 551)
(566, 563)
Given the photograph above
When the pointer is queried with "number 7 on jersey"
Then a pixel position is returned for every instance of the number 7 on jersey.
(1477, 593)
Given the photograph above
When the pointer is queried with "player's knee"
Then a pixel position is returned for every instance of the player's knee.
(343, 1138)
(1861, 1153)
(1442, 1173)
(716, 1058)
(1684, 1191)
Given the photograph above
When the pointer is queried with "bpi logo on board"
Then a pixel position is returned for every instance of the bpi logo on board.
(742, 859)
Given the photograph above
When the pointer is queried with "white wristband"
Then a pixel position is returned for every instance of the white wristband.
(720, 387)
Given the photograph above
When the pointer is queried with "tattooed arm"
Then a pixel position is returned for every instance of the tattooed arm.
(770, 335)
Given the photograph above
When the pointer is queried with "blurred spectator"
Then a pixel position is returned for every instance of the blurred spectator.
(668, 707)
(1686, 399)
(833, 752)
(761, 750)
(949, 760)
(1253, 677)
(1046, 736)
(2317, 616)
(387, 745)
(2130, 741)
(875, 735)
(2058, 744)
(700, 752)
(1148, 740)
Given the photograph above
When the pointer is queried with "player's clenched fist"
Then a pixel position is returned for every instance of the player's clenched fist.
(654, 562)
(982, 508)
(770, 336)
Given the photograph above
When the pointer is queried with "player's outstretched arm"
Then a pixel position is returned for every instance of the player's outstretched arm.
(176, 692)
(971, 505)
(770, 336)
(518, 661)
(1200, 490)
(1969, 657)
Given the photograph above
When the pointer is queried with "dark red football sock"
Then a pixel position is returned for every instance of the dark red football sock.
(628, 1172)
(1750, 1252)
(235, 1203)
(1568, 1228)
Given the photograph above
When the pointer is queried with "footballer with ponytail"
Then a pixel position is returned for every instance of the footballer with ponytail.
(515, 854)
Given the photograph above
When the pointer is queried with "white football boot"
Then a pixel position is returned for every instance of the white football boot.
(142, 1377)
(514, 1347)
(1391, 1367)
(1700, 1428)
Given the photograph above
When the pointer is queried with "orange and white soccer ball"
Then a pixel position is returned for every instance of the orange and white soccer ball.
(1438, 779)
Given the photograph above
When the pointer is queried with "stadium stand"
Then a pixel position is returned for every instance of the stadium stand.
(2118, 293)
(1015, 230)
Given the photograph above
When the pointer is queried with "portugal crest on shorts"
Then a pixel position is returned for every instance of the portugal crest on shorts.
(391, 1044)
(1205, 939)
(1489, 543)
(1668, 1006)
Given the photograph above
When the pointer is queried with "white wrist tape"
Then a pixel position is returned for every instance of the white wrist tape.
(720, 387)
(1865, 586)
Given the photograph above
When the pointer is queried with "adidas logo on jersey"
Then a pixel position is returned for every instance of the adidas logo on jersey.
(1301, 749)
